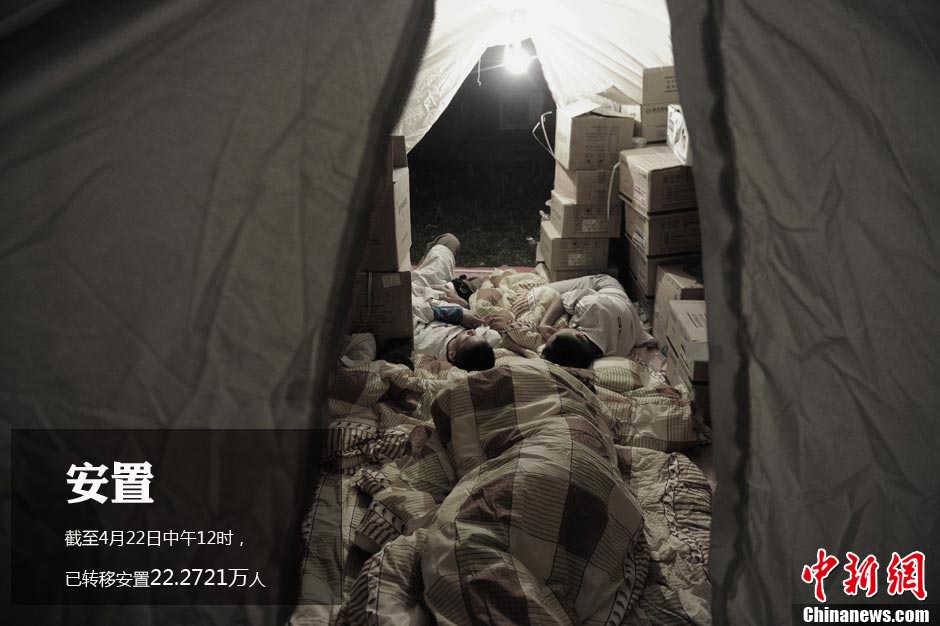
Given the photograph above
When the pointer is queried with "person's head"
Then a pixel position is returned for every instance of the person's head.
(570, 348)
(470, 352)
(463, 287)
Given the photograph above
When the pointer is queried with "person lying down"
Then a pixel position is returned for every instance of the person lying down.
(444, 325)
(603, 321)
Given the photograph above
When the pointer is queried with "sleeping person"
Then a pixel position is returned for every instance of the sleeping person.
(444, 325)
(603, 322)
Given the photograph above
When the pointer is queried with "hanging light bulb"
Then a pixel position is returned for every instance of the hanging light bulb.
(516, 59)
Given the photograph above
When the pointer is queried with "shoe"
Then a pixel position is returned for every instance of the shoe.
(447, 240)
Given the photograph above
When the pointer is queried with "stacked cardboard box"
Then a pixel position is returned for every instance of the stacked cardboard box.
(659, 91)
(382, 288)
(661, 219)
(584, 213)
(687, 340)
(674, 282)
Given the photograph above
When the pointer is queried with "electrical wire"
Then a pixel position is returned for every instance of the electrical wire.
(547, 145)
(610, 187)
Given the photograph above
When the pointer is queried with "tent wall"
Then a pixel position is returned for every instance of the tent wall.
(182, 186)
(816, 152)
(583, 46)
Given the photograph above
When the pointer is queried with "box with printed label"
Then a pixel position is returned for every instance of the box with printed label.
(390, 222)
(659, 180)
(586, 186)
(589, 136)
(674, 282)
(645, 267)
(556, 275)
(578, 220)
(382, 305)
(572, 253)
(687, 332)
(652, 120)
(660, 85)
(626, 180)
(675, 232)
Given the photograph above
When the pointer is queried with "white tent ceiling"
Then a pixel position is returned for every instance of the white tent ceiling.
(583, 47)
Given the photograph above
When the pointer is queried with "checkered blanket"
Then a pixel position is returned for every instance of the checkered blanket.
(452, 496)
(647, 411)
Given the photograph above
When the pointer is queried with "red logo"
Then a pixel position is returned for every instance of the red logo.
(907, 574)
(817, 572)
(862, 575)
(903, 574)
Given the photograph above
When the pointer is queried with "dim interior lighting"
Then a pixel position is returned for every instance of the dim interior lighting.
(516, 59)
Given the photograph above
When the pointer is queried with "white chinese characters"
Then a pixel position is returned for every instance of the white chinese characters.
(131, 482)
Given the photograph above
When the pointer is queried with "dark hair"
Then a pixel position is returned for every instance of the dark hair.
(462, 287)
(474, 356)
(568, 351)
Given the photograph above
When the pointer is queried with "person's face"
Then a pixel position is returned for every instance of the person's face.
(465, 339)
(569, 332)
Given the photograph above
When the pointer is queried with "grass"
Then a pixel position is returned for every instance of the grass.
(492, 206)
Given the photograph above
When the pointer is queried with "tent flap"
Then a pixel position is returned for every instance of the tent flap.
(817, 189)
(183, 182)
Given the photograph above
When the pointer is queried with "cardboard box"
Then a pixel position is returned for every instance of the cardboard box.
(589, 136)
(652, 120)
(676, 374)
(660, 181)
(390, 223)
(687, 337)
(660, 85)
(644, 303)
(660, 89)
(586, 186)
(542, 271)
(390, 226)
(556, 275)
(572, 253)
(579, 220)
(677, 134)
(645, 268)
(382, 305)
(673, 282)
(677, 371)
(702, 399)
(663, 233)
(626, 180)
(397, 156)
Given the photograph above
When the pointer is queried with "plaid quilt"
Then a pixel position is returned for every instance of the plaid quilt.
(540, 527)
(433, 472)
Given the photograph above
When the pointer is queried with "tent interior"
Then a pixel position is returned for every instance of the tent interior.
(206, 227)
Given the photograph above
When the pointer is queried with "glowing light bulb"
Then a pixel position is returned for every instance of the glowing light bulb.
(515, 59)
